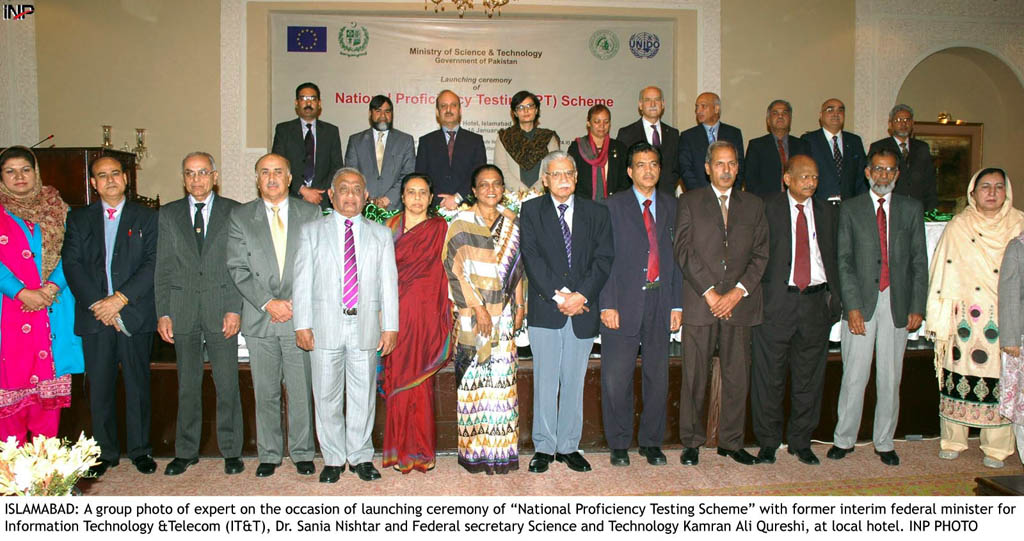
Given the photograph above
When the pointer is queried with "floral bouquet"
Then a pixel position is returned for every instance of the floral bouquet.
(45, 466)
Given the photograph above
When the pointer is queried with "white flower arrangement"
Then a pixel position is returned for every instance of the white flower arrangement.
(45, 466)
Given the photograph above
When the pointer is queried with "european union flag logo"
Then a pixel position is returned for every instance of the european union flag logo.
(307, 39)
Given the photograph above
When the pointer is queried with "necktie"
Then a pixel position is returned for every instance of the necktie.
(883, 241)
(711, 135)
(111, 213)
(782, 159)
(903, 150)
(655, 138)
(310, 163)
(277, 234)
(380, 151)
(199, 226)
(802, 259)
(723, 199)
(350, 292)
(836, 154)
(652, 243)
(451, 145)
(566, 235)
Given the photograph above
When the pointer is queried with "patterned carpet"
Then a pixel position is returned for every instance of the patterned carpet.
(922, 472)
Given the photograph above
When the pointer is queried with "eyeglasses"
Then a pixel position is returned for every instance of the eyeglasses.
(907, 120)
(568, 173)
(202, 173)
(887, 170)
(525, 107)
(308, 98)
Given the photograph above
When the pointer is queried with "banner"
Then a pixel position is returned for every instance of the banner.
(570, 64)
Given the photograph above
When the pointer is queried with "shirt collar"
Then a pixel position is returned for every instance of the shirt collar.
(283, 205)
(567, 202)
(829, 135)
(793, 202)
(727, 193)
(192, 200)
(119, 206)
(640, 198)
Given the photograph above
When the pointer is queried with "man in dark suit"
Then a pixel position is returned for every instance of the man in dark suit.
(641, 303)
(883, 280)
(109, 255)
(693, 143)
(839, 155)
(198, 305)
(312, 146)
(767, 155)
(263, 239)
(917, 172)
(651, 129)
(449, 155)
(721, 245)
(382, 154)
(801, 303)
(567, 249)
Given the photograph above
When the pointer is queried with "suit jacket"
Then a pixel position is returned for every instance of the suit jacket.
(780, 254)
(131, 269)
(194, 289)
(252, 262)
(763, 165)
(712, 255)
(290, 143)
(917, 172)
(399, 160)
(850, 181)
(319, 275)
(635, 133)
(616, 179)
(547, 267)
(1011, 295)
(693, 149)
(629, 269)
(454, 176)
(860, 257)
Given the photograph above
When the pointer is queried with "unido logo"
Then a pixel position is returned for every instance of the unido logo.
(16, 12)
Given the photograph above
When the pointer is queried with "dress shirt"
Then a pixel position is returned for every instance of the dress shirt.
(206, 211)
(110, 237)
(828, 139)
(717, 127)
(649, 131)
(447, 133)
(282, 211)
(785, 144)
(817, 263)
(888, 216)
(899, 142)
(568, 211)
(384, 141)
(640, 198)
(304, 130)
(339, 222)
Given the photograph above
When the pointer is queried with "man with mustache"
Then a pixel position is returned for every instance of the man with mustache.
(838, 153)
(263, 239)
(312, 146)
(382, 154)
(451, 154)
(917, 172)
(721, 245)
(694, 142)
(883, 281)
(767, 155)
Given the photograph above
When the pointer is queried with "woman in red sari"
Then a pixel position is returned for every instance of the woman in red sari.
(424, 336)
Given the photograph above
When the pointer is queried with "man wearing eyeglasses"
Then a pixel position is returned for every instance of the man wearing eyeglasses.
(312, 146)
(839, 155)
(199, 306)
(883, 283)
(917, 172)
(382, 154)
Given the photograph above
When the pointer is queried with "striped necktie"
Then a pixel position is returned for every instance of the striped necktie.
(350, 293)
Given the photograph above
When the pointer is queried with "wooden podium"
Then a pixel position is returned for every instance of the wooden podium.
(67, 169)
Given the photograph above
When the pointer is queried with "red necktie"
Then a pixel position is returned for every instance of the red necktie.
(802, 262)
(652, 243)
(782, 159)
(451, 145)
(883, 239)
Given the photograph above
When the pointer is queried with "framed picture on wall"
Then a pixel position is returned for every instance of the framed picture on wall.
(956, 153)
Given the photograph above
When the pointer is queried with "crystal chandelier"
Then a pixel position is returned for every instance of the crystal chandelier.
(462, 5)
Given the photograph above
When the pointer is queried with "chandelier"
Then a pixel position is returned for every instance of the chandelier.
(462, 5)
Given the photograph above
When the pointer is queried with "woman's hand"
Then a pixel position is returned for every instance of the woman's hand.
(483, 321)
(518, 321)
(33, 300)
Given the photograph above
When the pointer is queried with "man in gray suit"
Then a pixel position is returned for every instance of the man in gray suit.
(346, 311)
(382, 154)
(883, 282)
(197, 304)
(263, 238)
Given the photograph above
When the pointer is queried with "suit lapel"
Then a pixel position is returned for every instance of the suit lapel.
(294, 229)
(124, 226)
(577, 228)
(786, 232)
(549, 222)
(262, 227)
(334, 245)
(713, 207)
(822, 228)
(187, 231)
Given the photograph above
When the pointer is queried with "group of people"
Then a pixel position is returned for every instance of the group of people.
(754, 262)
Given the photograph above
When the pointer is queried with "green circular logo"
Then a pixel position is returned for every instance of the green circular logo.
(353, 40)
(604, 44)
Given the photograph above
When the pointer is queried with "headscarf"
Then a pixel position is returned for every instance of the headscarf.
(970, 250)
(42, 206)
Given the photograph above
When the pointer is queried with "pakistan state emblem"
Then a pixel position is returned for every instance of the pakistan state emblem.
(353, 40)
(604, 44)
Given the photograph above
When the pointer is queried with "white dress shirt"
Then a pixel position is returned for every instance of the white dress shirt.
(206, 210)
(817, 263)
